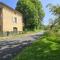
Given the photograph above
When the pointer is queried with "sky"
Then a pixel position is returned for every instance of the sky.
(48, 15)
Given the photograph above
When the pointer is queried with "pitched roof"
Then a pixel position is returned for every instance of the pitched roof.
(9, 7)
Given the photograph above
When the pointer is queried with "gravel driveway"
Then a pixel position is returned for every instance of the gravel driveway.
(10, 48)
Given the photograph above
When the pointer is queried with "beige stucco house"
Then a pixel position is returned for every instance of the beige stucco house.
(11, 21)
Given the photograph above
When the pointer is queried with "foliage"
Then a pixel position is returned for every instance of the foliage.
(55, 9)
(45, 48)
(32, 12)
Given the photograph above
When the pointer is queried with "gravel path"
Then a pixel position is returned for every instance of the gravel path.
(10, 48)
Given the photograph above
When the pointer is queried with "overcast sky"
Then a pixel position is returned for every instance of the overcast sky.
(12, 3)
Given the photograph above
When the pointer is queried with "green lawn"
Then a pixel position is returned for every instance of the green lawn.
(42, 49)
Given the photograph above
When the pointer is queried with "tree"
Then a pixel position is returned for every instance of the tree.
(32, 12)
(55, 9)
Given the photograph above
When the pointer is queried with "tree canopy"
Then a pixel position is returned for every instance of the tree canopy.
(55, 9)
(32, 12)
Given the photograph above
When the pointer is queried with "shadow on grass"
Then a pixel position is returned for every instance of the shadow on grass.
(40, 50)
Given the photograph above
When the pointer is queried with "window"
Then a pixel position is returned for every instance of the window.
(0, 27)
(0, 12)
(15, 20)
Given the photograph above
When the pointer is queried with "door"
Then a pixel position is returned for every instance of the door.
(15, 29)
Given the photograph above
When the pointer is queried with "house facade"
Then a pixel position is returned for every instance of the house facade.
(11, 21)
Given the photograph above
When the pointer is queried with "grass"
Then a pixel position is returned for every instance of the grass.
(46, 48)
